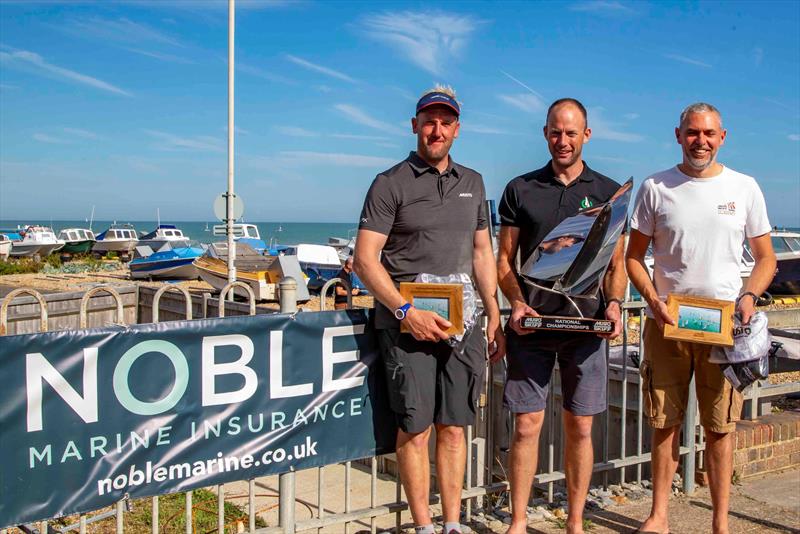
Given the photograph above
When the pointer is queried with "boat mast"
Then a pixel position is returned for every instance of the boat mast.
(91, 219)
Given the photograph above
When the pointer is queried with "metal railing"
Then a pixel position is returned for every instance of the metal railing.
(491, 479)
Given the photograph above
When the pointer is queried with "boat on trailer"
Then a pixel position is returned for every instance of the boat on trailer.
(35, 241)
(166, 264)
(786, 244)
(252, 268)
(77, 240)
(5, 247)
(165, 234)
(120, 238)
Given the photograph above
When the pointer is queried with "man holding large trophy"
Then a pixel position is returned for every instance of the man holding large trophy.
(563, 224)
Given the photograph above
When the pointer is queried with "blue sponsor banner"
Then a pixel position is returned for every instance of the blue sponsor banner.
(89, 416)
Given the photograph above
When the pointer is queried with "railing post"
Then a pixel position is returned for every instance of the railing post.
(323, 294)
(689, 439)
(286, 481)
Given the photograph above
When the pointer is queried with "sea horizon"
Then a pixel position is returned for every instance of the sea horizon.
(272, 232)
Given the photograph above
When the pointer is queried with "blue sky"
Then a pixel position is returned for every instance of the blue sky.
(123, 105)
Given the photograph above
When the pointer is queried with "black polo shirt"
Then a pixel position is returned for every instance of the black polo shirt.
(429, 218)
(536, 203)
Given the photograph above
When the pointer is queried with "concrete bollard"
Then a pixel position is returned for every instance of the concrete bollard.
(287, 295)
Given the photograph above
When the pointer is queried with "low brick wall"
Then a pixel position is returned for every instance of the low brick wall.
(770, 443)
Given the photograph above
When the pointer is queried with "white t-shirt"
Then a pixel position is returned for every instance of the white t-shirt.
(698, 227)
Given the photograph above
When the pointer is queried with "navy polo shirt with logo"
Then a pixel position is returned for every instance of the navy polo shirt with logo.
(429, 218)
(536, 203)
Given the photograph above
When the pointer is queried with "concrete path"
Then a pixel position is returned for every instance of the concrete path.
(765, 504)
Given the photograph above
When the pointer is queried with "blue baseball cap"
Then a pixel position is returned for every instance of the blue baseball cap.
(437, 98)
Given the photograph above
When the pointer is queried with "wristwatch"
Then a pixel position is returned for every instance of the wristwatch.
(401, 312)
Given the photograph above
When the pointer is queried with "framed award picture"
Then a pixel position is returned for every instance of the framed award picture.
(446, 300)
(700, 320)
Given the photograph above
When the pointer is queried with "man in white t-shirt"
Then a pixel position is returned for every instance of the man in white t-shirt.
(697, 216)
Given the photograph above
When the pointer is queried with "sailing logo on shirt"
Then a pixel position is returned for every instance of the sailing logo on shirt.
(586, 203)
(729, 208)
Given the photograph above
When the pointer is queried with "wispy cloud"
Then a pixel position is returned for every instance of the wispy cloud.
(171, 142)
(359, 116)
(525, 101)
(521, 84)
(25, 60)
(45, 138)
(780, 104)
(295, 131)
(631, 116)
(758, 55)
(321, 69)
(78, 132)
(688, 60)
(405, 93)
(261, 73)
(793, 137)
(357, 137)
(161, 56)
(444, 37)
(120, 30)
(210, 5)
(480, 129)
(609, 130)
(601, 6)
(338, 159)
(611, 159)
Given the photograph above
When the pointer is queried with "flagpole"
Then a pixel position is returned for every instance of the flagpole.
(230, 196)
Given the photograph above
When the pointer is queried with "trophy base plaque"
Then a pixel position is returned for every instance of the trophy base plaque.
(567, 324)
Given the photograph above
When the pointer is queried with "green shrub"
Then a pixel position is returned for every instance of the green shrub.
(53, 260)
(20, 266)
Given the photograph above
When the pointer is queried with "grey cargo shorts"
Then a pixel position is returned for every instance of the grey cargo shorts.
(432, 382)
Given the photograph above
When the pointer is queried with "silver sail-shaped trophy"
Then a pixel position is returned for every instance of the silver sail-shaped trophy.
(573, 258)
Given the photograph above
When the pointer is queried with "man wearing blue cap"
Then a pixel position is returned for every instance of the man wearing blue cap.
(427, 214)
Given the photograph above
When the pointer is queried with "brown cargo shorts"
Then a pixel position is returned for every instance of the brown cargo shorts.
(666, 372)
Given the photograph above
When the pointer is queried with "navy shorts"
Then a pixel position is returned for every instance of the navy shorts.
(432, 382)
(531, 358)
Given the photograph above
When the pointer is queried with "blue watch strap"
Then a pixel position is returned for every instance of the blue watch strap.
(401, 312)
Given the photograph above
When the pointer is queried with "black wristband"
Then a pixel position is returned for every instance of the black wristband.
(618, 301)
(755, 297)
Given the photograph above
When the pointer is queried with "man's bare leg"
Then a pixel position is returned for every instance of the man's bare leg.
(578, 464)
(719, 459)
(664, 465)
(451, 456)
(524, 454)
(415, 473)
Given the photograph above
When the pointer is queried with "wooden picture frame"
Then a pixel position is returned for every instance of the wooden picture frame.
(700, 320)
(445, 299)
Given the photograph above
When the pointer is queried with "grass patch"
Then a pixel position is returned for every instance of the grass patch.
(172, 516)
(561, 522)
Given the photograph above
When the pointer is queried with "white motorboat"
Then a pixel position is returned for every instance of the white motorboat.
(162, 235)
(36, 240)
(319, 263)
(77, 240)
(786, 244)
(5, 247)
(244, 233)
(119, 238)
